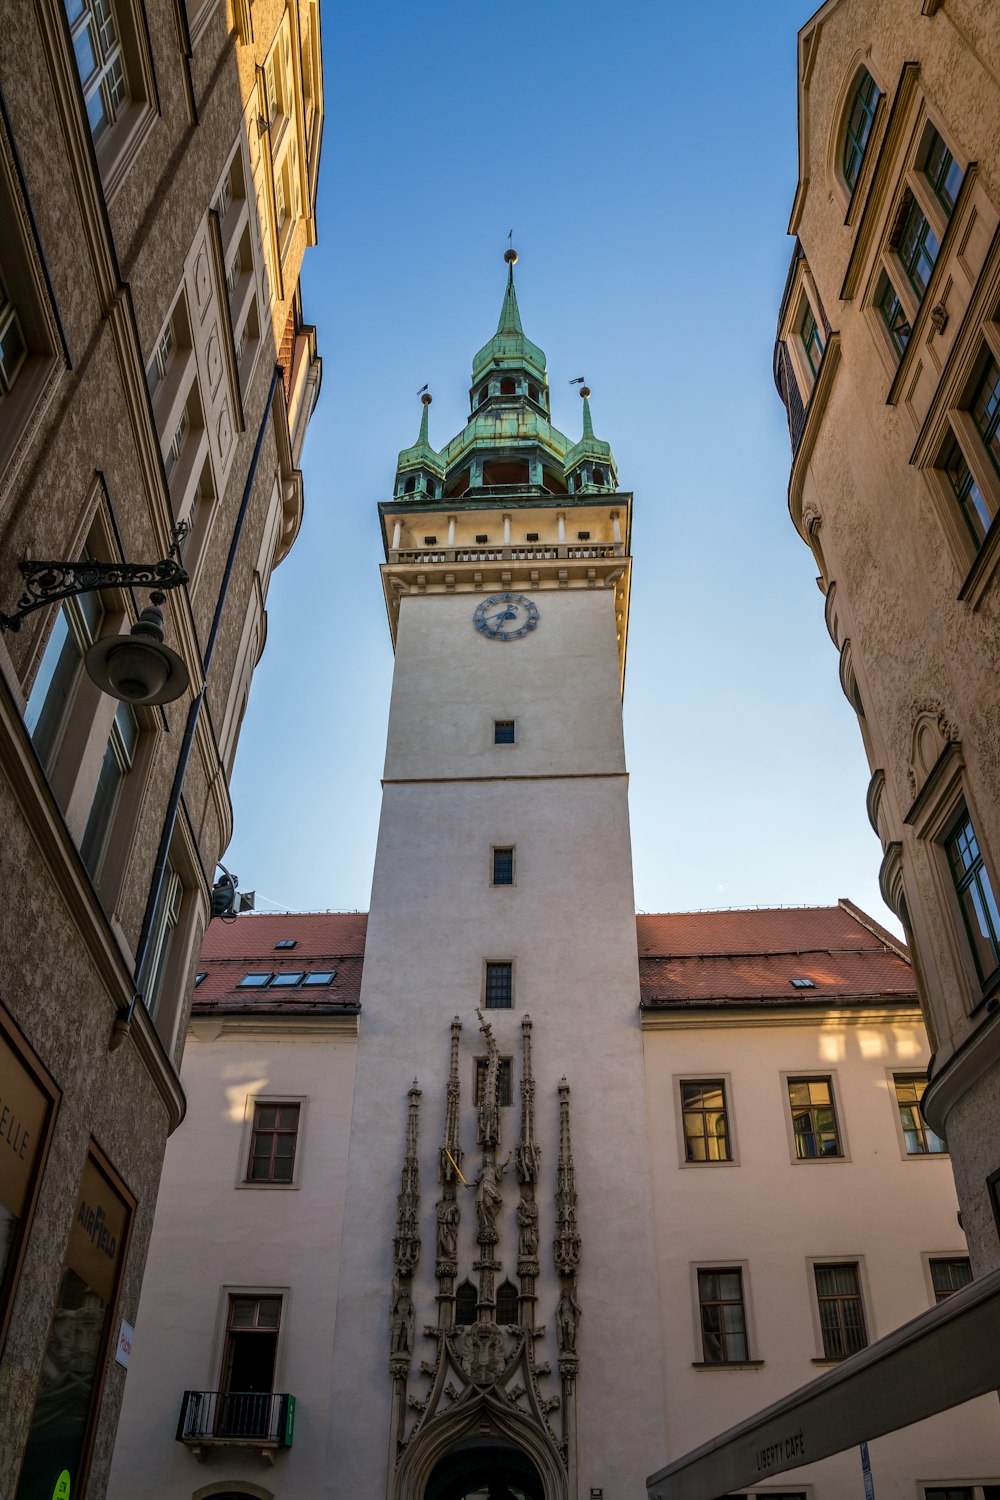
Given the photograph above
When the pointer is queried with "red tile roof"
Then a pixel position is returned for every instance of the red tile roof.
(720, 957)
(323, 940)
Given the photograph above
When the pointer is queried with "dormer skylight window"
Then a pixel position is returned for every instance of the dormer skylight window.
(285, 981)
(254, 981)
(320, 976)
(198, 978)
(803, 984)
(286, 943)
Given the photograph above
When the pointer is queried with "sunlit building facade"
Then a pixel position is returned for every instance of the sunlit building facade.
(158, 171)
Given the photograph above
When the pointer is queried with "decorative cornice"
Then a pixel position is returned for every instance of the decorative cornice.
(208, 1028)
(878, 1010)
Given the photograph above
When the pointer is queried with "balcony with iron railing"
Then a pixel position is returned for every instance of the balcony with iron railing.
(515, 552)
(263, 1420)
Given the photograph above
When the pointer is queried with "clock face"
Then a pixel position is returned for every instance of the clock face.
(505, 617)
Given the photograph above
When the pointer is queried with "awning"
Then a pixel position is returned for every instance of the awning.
(946, 1356)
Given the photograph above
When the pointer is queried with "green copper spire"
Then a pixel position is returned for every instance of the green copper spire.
(508, 350)
(423, 441)
(510, 313)
(590, 464)
(588, 425)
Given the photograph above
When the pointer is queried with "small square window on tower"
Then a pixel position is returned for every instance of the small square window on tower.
(499, 986)
(503, 866)
(503, 731)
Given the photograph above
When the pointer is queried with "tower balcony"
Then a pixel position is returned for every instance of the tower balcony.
(522, 552)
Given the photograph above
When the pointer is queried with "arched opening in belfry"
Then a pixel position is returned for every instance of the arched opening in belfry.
(485, 1470)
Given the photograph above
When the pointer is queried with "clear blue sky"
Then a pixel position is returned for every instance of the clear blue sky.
(644, 153)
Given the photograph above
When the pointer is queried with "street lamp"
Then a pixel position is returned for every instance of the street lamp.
(135, 668)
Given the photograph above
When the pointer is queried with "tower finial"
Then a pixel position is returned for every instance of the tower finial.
(588, 425)
(510, 316)
(425, 400)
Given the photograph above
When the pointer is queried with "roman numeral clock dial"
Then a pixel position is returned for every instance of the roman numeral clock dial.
(505, 617)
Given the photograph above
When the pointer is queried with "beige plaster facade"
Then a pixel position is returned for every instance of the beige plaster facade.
(156, 382)
(888, 363)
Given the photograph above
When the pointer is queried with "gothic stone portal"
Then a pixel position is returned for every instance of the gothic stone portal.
(491, 1470)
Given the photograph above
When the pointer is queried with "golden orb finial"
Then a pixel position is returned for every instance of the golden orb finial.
(426, 399)
(585, 391)
(510, 256)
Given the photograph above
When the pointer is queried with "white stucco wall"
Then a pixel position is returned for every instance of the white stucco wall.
(212, 1234)
(560, 797)
(877, 1206)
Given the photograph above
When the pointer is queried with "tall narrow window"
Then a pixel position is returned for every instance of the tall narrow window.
(812, 339)
(165, 919)
(975, 896)
(841, 1313)
(918, 1137)
(985, 409)
(975, 511)
(723, 1318)
(859, 127)
(894, 315)
(499, 986)
(13, 348)
(273, 1142)
(503, 867)
(706, 1127)
(99, 61)
(507, 1302)
(118, 759)
(76, 627)
(244, 1408)
(943, 173)
(917, 248)
(949, 1276)
(466, 1299)
(814, 1118)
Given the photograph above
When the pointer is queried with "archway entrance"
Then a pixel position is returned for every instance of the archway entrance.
(491, 1470)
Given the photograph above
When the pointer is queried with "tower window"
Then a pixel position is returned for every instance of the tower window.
(503, 731)
(499, 986)
(508, 388)
(533, 392)
(465, 1305)
(503, 866)
(598, 476)
(484, 395)
(410, 485)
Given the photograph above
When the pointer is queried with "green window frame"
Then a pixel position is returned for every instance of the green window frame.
(812, 339)
(918, 248)
(859, 127)
(841, 1310)
(985, 411)
(943, 173)
(894, 316)
(975, 896)
(971, 503)
(706, 1120)
(723, 1316)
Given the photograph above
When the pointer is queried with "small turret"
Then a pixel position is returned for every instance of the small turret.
(419, 471)
(590, 464)
(510, 368)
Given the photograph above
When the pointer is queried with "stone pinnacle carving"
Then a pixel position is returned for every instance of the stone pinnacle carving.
(449, 1167)
(528, 1155)
(406, 1245)
(489, 1098)
(566, 1246)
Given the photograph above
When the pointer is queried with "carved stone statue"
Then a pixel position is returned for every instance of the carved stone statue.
(489, 1198)
(402, 1320)
(527, 1225)
(567, 1319)
(447, 1229)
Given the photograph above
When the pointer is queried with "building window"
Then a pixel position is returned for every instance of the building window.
(963, 1492)
(507, 1303)
(99, 61)
(918, 1137)
(286, 943)
(706, 1126)
(917, 247)
(165, 920)
(723, 1318)
(499, 986)
(505, 1082)
(948, 1276)
(814, 1118)
(812, 340)
(160, 363)
(244, 1408)
(254, 981)
(841, 1313)
(76, 627)
(503, 867)
(319, 976)
(975, 511)
(119, 757)
(273, 1142)
(503, 731)
(894, 315)
(975, 896)
(13, 348)
(985, 411)
(942, 172)
(172, 456)
(465, 1304)
(287, 980)
(859, 127)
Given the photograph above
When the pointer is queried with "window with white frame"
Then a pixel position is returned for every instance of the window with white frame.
(970, 457)
(100, 61)
(165, 919)
(918, 1137)
(76, 627)
(723, 1316)
(119, 758)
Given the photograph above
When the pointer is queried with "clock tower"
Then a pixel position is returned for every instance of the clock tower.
(497, 1324)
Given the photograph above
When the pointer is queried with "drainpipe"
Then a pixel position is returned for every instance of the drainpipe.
(123, 1019)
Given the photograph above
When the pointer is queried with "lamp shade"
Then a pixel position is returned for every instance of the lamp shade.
(138, 668)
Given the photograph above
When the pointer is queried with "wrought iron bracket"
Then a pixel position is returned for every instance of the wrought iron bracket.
(48, 582)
